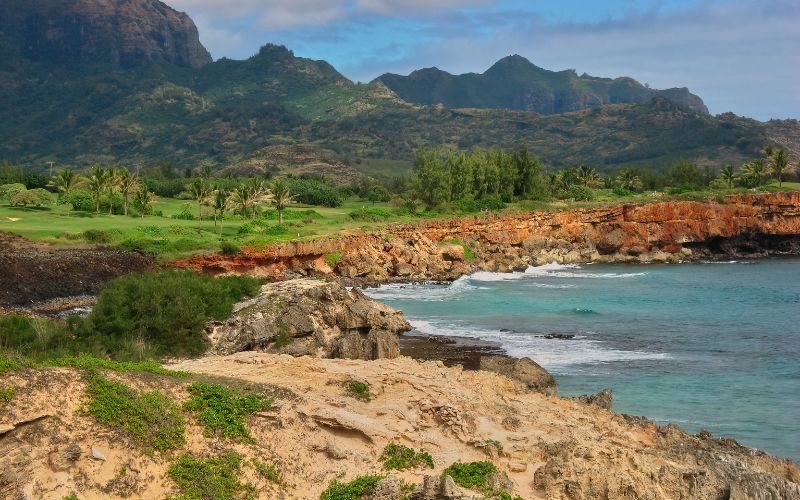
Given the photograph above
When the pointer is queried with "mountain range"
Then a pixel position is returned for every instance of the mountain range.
(128, 81)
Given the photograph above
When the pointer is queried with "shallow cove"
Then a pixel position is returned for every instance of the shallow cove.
(710, 345)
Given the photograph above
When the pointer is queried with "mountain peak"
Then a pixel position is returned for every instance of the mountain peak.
(127, 33)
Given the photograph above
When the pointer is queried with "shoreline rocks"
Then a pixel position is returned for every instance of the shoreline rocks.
(307, 317)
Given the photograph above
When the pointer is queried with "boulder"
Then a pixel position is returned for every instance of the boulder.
(603, 399)
(306, 317)
(523, 370)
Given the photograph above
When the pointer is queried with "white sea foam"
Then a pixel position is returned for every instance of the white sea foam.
(553, 270)
(422, 291)
(550, 353)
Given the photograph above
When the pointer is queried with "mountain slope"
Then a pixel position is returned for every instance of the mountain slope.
(169, 104)
(515, 83)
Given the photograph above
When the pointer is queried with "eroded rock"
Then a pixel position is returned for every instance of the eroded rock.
(523, 370)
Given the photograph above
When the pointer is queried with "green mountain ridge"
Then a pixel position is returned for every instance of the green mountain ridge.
(515, 83)
(158, 106)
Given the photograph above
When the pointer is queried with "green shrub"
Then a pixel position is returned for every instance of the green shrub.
(284, 337)
(96, 236)
(6, 395)
(8, 364)
(7, 191)
(358, 390)
(471, 475)
(272, 215)
(399, 457)
(151, 418)
(247, 228)
(579, 193)
(267, 471)
(214, 478)
(315, 192)
(356, 489)
(370, 214)
(489, 203)
(333, 258)
(277, 230)
(166, 309)
(223, 411)
(468, 253)
(81, 201)
(228, 248)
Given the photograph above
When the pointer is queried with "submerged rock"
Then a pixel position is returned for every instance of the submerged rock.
(311, 317)
(522, 370)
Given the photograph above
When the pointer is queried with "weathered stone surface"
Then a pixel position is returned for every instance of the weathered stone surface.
(522, 370)
(602, 399)
(311, 317)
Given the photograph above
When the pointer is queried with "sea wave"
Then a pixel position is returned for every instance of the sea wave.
(422, 291)
(551, 353)
(553, 270)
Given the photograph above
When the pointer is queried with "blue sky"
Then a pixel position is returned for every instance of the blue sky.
(738, 55)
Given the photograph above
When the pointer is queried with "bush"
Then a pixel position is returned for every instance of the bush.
(356, 489)
(7, 191)
(6, 395)
(272, 215)
(358, 390)
(210, 478)
(399, 457)
(186, 212)
(267, 471)
(276, 230)
(222, 411)
(228, 248)
(36, 197)
(81, 201)
(471, 475)
(468, 253)
(579, 193)
(167, 309)
(488, 203)
(151, 418)
(315, 192)
(333, 258)
(247, 228)
(370, 214)
(96, 236)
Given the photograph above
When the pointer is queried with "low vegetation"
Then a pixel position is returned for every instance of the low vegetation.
(6, 395)
(356, 489)
(333, 258)
(358, 390)
(468, 253)
(222, 411)
(150, 418)
(267, 471)
(210, 478)
(471, 475)
(398, 457)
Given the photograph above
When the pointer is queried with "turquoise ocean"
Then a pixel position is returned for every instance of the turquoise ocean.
(712, 345)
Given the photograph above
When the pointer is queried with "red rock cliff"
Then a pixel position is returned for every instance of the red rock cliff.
(665, 232)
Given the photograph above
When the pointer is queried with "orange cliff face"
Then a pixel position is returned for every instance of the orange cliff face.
(658, 232)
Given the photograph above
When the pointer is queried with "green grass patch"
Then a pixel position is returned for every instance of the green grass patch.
(90, 362)
(359, 390)
(356, 489)
(468, 253)
(398, 457)
(210, 478)
(151, 418)
(228, 248)
(6, 395)
(267, 471)
(471, 475)
(222, 410)
(371, 214)
(8, 364)
(333, 258)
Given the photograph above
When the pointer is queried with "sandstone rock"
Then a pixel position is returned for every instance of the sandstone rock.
(311, 317)
(388, 488)
(441, 488)
(524, 370)
(451, 252)
(603, 399)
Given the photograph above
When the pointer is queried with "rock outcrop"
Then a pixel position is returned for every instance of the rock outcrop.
(125, 33)
(742, 225)
(523, 370)
(311, 317)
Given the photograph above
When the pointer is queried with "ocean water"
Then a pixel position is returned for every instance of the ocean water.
(704, 345)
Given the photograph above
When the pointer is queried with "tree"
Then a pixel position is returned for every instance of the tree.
(200, 190)
(220, 205)
(240, 197)
(778, 164)
(66, 181)
(112, 182)
(142, 200)
(432, 182)
(728, 175)
(36, 197)
(97, 181)
(127, 183)
(755, 172)
(588, 176)
(377, 193)
(259, 193)
(627, 179)
(281, 197)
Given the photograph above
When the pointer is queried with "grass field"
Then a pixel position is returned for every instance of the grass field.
(172, 238)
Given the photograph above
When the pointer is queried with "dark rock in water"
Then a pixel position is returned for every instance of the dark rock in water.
(556, 336)
(523, 370)
(603, 399)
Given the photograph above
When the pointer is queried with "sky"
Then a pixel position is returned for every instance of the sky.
(738, 55)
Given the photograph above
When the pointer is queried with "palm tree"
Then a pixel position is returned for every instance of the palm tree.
(259, 192)
(768, 150)
(240, 197)
(97, 182)
(220, 205)
(728, 175)
(778, 164)
(627, 179)
(112, 182)
(127, 183)
(143, 198)
(66, 180)
(201, 191)
(756, 170)
(281, 197)
(587, 176)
